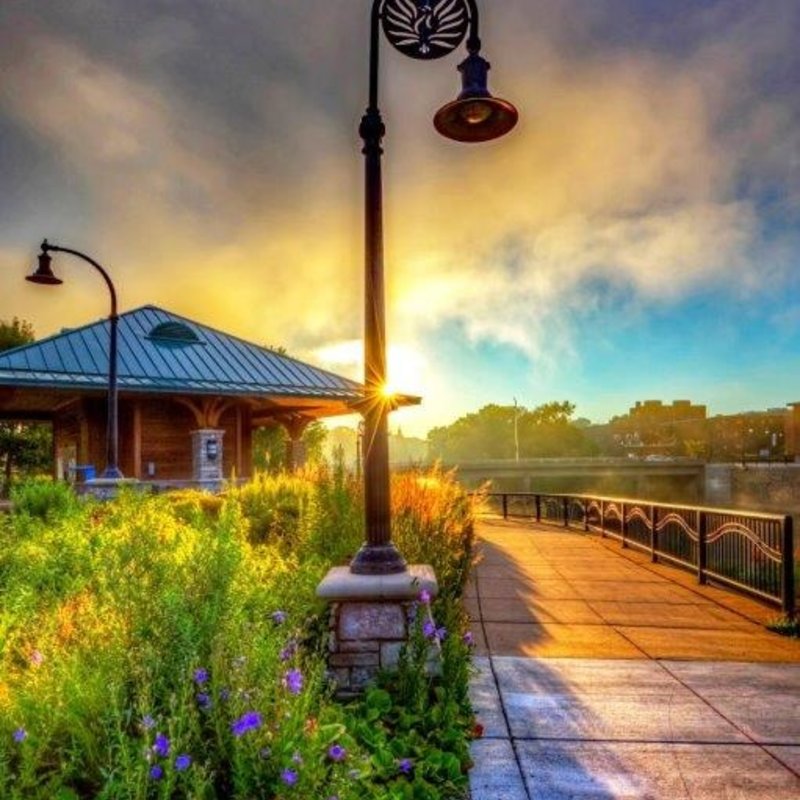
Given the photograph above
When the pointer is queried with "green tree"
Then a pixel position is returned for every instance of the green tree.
(270, 443)
(24, 446)
(545, 431)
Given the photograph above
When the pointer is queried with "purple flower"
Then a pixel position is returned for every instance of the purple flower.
(147, 722)
(429, 629)
(441, 633)
(161, 745)
(405, 766)
(278, 617)
(293, 681)
(203, 700)
(182, 762)
(289, 777)
(200, 676)
(20, 735)
(336, 752)
(468, 639)
(156, 772)
(424, 597)
(412, 612)
(224, 695)
(289, 650)
(297, 758)
(247, 722)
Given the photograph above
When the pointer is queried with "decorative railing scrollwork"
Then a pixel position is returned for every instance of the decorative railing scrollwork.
(751, 552)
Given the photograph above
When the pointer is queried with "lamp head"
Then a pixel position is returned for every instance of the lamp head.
(43, 272)
(475, 116)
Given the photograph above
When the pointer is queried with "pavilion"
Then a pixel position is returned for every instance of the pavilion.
(190, 396)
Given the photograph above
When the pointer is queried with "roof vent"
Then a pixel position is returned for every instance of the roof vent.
(173, 334)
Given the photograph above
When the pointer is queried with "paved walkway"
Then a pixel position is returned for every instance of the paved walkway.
(601, 675)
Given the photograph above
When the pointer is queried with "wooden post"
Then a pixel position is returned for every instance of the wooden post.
(538, 508)
(586, 515)
(238, 446)
(603, 519)
(137, 440)
(565, 508)
(505, 506)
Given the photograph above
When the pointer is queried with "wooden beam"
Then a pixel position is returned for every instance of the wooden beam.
(239, 429)
(137, 440)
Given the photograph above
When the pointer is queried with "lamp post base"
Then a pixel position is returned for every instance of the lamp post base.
(378, 559)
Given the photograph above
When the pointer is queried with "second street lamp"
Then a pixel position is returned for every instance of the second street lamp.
(422, 29)
(44, 275)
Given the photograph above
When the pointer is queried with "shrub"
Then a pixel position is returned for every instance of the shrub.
(43, 498)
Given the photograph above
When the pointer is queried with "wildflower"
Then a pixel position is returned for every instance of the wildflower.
(265, 753)
(200, 676)
(412, 612)
(156, 772)
(468, 639)
(477, 730)
(224, 695)
(441, 633)
(311, 725)
(405, 766)
(278, 617)
(297, 758)
(429, 629)
(36, 658)
(147, 722)
(424, 597)
(20, 735)
(161, 745)
(293, 681)
(336, 752)
(182, 762)
(247, 722)
(289, 650)
(289, 777)
(203, 700)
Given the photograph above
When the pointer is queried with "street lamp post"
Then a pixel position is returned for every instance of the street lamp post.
(44, 275)
(422, 29)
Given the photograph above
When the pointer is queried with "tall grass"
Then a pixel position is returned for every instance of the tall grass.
(170, 618)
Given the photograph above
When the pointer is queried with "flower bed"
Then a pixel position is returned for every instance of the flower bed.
(173, 646)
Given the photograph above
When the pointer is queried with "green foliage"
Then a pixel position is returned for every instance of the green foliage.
(270, 446)
(43, 498)
(785, 626)
(15, 333)
(24, 446)
(545, 431)
(109, 610)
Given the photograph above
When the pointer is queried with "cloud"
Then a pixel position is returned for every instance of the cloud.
(657, 154)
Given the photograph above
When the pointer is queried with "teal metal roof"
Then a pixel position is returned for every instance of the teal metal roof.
(163, 352)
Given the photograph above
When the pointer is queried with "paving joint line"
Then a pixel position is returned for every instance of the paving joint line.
(758, 744)
(490, 659)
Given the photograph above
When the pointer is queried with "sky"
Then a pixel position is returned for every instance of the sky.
(636, 236)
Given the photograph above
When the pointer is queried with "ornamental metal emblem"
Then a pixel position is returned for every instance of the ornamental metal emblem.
(425, 28)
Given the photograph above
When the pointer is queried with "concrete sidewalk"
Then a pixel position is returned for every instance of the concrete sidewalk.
(601, 675)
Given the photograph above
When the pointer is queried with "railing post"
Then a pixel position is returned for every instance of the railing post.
(787, 579)
(538, 508)
(653, 533)
(701, 546)
(505, 506)
(565, 508)
(602, 519)
(585, 515)
(623, 525)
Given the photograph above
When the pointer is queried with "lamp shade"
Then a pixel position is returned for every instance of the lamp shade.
(43, 273)
(475, 116)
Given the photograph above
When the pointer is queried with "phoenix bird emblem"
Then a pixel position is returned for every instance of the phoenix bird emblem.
(425, 28)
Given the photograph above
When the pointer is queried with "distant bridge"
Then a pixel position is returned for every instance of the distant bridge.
(659, 478)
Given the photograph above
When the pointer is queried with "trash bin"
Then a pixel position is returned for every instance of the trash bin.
(84, 472)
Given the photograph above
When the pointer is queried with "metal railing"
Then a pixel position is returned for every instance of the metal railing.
(748, 551)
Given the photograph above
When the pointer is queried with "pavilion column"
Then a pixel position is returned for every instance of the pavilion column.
(295, 447)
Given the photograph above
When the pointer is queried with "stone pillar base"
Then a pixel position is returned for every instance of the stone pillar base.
(369, 621)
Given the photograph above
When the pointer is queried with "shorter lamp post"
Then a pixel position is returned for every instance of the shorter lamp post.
(44, 275)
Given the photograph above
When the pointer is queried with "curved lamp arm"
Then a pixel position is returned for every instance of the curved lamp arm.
(47, 247)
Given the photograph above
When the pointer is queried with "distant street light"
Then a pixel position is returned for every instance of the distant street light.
(422, 29)
(44, 275)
